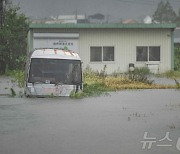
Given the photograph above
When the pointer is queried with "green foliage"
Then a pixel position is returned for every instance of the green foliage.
(178, 18)
(140, 75)
(88, 72)
(117, 73)
(142, 71)
(18, 75)
(79, 94)
(165, 13)
(96, 84)
(177, 58)
(95, 89)
(13, 39)
(172, 74)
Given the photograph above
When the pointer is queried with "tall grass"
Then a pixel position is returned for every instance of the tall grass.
(18, 75)
(96, 83)
(172, 74)
(140, 75)
(177, 58)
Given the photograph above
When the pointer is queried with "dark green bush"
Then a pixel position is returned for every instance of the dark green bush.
(177, 58)
(140, 75)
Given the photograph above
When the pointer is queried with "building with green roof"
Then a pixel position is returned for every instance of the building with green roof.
(113, 45)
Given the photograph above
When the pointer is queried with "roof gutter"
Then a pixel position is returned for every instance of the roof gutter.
(102, 26)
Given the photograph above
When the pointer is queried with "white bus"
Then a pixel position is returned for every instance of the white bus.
(52, 72)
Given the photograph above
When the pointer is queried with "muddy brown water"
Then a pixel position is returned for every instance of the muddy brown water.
(111, 124)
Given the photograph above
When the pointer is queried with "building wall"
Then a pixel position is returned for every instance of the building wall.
(124, 42)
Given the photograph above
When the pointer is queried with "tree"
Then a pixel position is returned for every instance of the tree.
(164, 13)
(13, 42)
(177, 58)
(178, 18)
(97, 16)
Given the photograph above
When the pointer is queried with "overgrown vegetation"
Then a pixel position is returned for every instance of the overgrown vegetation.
(176, 73)
(13, 40)
(177, 58)
(96, 83)
(140, 75)
(18, 75)
(172, 74)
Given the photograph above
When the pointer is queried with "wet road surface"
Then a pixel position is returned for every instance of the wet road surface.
(113, 124)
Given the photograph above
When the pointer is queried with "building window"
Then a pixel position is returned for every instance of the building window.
(96, 54)
(108, 53)
(154, 53)
(99, 54)
(142, 54)
(151, 53)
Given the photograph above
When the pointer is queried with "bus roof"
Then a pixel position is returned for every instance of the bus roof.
(55, 54)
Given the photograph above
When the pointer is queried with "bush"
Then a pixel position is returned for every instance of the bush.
(88, 72)
(140, 75)
(177, 59)
(172, 74)
(13, 35)
(18, 75)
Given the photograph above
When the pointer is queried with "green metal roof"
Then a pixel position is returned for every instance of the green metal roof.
(101, 26)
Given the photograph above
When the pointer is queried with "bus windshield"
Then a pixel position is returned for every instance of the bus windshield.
(55, 71)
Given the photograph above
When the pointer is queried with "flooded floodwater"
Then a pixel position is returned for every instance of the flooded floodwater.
(119, 123)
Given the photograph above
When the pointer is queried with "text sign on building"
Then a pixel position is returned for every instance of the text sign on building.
(66, 44)
(67, 41)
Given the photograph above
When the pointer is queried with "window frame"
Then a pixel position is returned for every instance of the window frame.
(102, 54)
(159, 54)
(148, 53)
